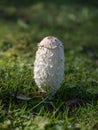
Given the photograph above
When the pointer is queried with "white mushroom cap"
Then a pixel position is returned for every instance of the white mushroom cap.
(50, 42)
(49, 64)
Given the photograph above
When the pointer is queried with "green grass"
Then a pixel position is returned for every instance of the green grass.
(21, 28)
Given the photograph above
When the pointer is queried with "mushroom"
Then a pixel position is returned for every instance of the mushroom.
(49, 64)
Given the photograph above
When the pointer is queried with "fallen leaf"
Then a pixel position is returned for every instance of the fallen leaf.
(21, 97)
(75, 103)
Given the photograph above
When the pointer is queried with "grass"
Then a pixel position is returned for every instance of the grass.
(21, 28)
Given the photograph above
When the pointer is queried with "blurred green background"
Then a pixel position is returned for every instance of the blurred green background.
(74, 22)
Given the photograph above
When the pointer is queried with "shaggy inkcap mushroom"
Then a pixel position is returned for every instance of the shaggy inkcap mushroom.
(49, 64)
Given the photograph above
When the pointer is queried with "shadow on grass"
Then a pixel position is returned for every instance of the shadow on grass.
(77, 92)
(70, 98)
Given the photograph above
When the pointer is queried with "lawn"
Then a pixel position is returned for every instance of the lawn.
(22, 26)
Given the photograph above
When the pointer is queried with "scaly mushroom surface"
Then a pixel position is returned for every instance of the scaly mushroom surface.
(49, 64)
